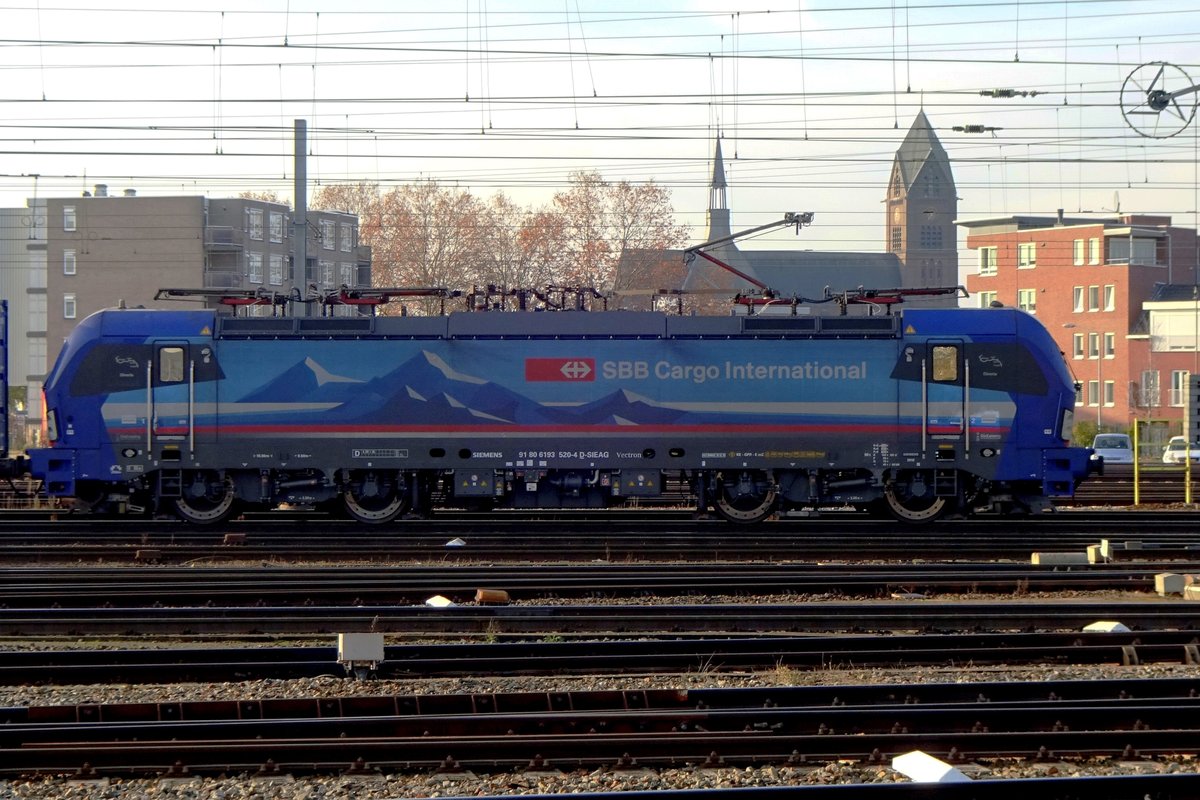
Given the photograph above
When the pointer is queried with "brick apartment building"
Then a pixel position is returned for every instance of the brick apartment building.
(1116, 294)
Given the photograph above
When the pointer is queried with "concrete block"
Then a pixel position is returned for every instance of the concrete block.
(1108, 548)
(1106, 626)
(360, 647)
(1191, 592)
(1166, 583)
(438, 601)
(921, 767)
(1094, 554)
(1059, 559)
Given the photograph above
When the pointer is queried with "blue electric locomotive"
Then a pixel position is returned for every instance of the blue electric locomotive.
(922, 413)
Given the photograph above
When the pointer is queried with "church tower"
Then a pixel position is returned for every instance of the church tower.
(922, 205)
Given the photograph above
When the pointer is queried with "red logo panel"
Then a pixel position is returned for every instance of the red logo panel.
(571, 370)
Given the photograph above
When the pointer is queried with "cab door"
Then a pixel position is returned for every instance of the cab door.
(176, 399)
(167, 395)
(945, 388)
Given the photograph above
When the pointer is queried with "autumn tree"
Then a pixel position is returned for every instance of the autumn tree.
(440, 235)
(425, 234)
(264, 196)
(604, 220)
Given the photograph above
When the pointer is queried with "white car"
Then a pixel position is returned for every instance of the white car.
(1114, 448)
(1177, 451)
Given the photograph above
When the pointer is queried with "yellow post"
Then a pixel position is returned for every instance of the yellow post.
(1137, 464)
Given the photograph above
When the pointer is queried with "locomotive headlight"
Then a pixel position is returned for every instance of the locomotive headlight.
(1068, 423)
(51, 425)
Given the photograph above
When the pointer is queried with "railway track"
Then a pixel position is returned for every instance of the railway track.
(291, 586)
(616, 539)
(628, 730)
(593, 620)
(612, 656)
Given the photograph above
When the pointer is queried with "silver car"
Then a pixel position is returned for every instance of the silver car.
(1114, 448)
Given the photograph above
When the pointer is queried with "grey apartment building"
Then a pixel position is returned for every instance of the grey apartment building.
(65, 258)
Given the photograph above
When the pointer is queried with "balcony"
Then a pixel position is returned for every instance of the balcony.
(219, 238)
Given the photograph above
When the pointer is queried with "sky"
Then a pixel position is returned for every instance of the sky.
(811, 97)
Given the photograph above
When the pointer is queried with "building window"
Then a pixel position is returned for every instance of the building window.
(276, 274)
(68, 262)
(68, 218)
(1080, 246)
(254, 223)
(69, 307)
(1110, 393)
(1093, 298)
(1110, 297)
(276, 220)
(1110, 345)
(1077, 345)
(1093, 393)
(1027, 300)
(1149, 389)
(1027, 255)
(347, 237)
(254, 267)
(326, 268)
(1077, 298)
(1179, 387)
(37, 318)
(1093, 345)
(1078, 394)
(37, 357)
(328, 231)
(931, 237)
(347, 271)
(897, 238)
(933, 185)
(1133, 251)
(987, 261)
(986, 299)
(897, 186)
(1093, 251)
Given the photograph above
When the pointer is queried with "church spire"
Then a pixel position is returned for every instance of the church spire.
(718, 202)
(716, 195)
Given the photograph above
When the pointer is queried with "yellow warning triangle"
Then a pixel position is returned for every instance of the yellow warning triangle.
(910, 329)
(205, 331)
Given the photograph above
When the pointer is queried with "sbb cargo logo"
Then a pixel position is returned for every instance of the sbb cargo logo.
(571, 370)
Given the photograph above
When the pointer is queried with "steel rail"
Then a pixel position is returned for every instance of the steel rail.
(1008, 694)
(329, 750)
(1122, 787)
(575, 620)
(602, 657)
(224, 586)
(502, 540)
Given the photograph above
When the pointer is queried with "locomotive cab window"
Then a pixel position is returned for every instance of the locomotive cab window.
(945, 363)
(170, 364)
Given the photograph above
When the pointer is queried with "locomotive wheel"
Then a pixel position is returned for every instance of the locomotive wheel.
(744, 497)
(914, 507)
(376, 497)
(206, 499)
